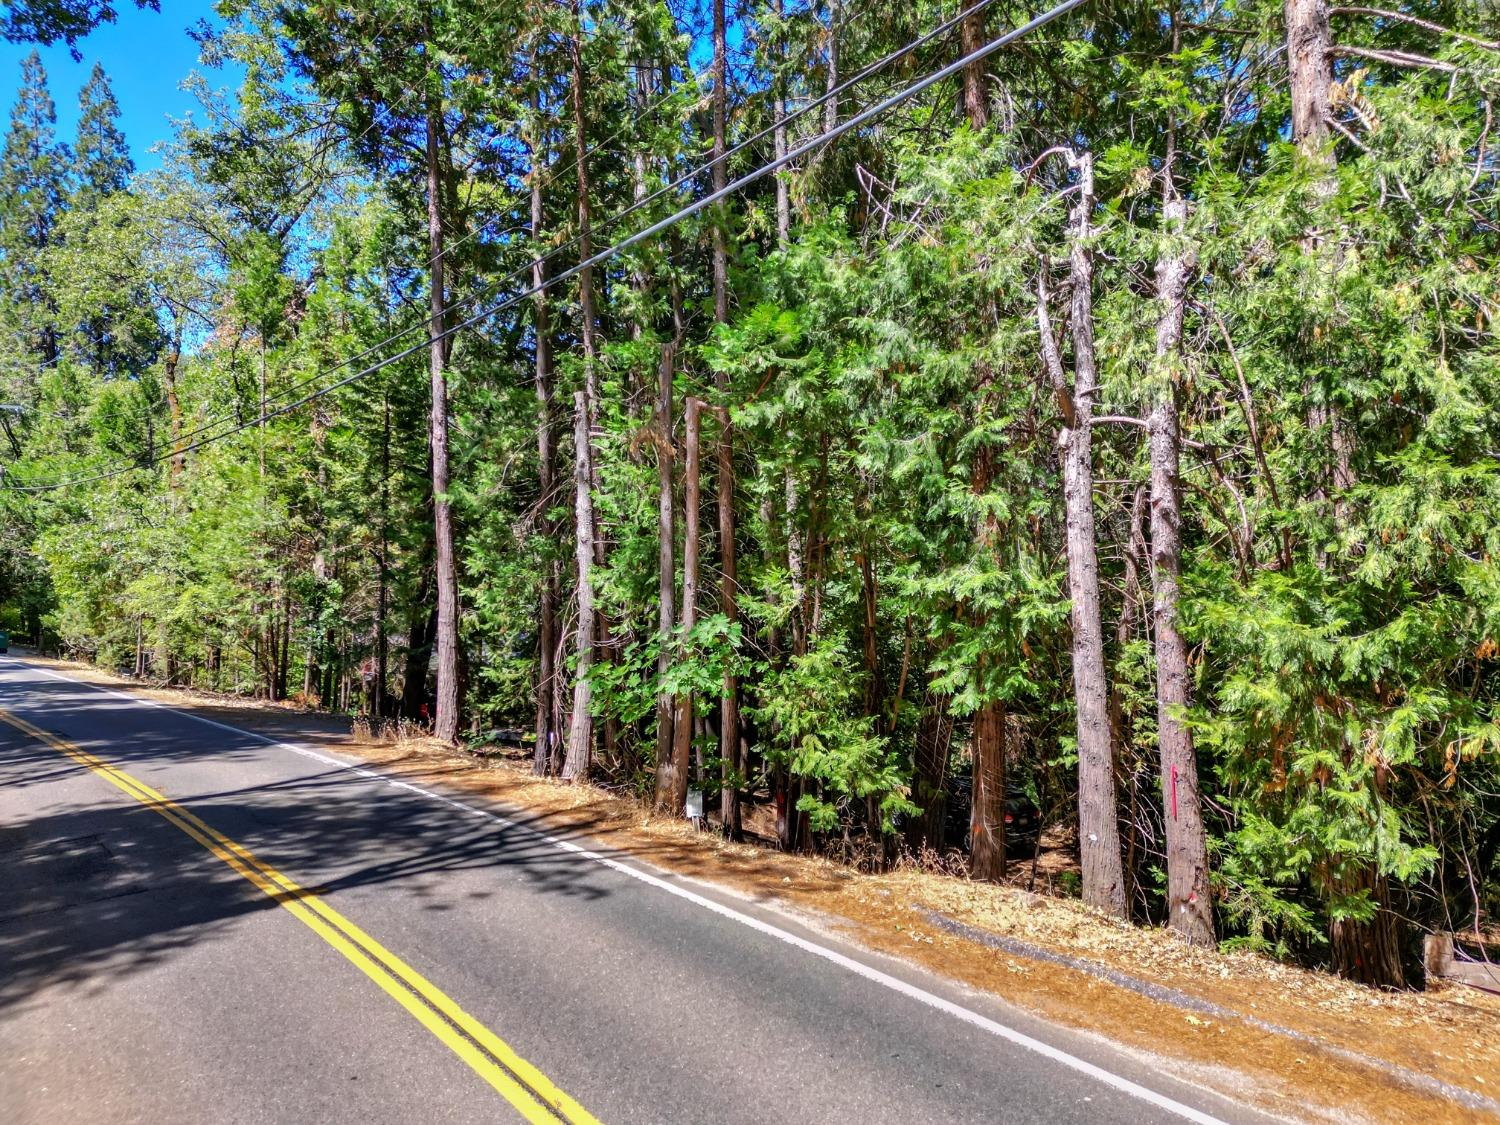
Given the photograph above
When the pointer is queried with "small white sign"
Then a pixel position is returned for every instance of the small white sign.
(693, 810)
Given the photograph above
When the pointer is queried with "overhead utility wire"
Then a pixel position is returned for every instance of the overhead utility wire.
(858, 120)
(612, 220)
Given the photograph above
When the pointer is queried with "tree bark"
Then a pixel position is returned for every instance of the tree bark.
(666, 619)
(445, 726)
(420, 631)
(1366, 951)
(1098, 829)
(581, 734)
(1189, 907)
(788, 787)
(971, 35)
(934, 743)
(987, 813)
(796, 565)
(582, 729)
(1369, 952)
(378, 704)
(544, 753)
(672, 776)
(174, 405)
(1309, 67)
(987, 810)
(831, 106)
(729, 704)
(778, 133)
(874, 702)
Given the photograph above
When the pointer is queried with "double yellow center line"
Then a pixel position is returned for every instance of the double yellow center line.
(520, 1083)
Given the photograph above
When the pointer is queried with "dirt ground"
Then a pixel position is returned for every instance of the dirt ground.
(1300, 1044)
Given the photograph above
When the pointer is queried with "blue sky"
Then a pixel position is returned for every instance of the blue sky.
(146, 54)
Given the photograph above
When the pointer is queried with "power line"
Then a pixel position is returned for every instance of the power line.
(860, 119)
(610, 221)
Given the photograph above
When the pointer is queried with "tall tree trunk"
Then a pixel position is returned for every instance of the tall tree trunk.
(787, 785)
(1369, 952)
(831, 106)
(1366, 951)
(666, 616)
(420, 631)
(588, 313)
(378, 704)
(1098, 828)
(930, 775)
(260, 424)
(1190, 909)
(731, 768)
(1309, 67)
(284, 665)
(987, 811)
(971, 36)
(874, 701)
(639, 163)
(580, 737)
(869, 597)
(445, 725)
(585, 465)
(987, 814)
(544, 753)
(174, 404)
(796, 565)
(778, 133)
(672, 775)
(1310, 76)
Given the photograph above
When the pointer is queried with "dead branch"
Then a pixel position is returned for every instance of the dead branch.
(1394, 58)
(1415, 21)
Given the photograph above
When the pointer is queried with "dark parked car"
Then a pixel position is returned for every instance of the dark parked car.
(1022, 818)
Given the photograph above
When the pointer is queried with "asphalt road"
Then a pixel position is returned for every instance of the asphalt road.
(197, 925)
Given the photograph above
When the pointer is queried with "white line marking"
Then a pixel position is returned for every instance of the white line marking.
(859, 968)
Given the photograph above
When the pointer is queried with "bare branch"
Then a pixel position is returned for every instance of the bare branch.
(1348, 136)
(1394, 58)
(1402, 17)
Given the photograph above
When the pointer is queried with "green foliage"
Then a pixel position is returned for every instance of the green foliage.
(813, 706)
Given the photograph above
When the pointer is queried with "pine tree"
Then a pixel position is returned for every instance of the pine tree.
(101, 160)
(101, 168)
(33, 189)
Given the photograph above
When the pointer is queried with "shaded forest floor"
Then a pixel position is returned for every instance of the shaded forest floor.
(1301, 1044)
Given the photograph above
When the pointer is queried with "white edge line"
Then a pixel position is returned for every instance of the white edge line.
(868, 972)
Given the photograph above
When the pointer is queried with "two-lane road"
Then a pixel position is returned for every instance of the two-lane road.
(200, 925)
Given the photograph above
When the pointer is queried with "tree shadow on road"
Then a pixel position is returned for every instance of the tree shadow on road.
(98, 886)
